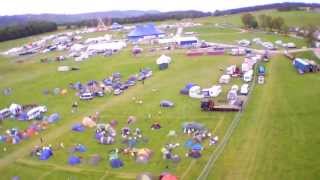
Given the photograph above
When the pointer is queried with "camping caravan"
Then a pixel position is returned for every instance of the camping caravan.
(237, 52)
(245, 67)
(36, 112)
(214, 91)
(163, 62)
(15, 109)
(5, 113)
(195, 92)
(247, 77)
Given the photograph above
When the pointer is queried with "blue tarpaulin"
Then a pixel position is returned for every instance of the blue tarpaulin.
(78, 127)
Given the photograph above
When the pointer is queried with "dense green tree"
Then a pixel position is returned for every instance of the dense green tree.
(24, 30)
(249, 20)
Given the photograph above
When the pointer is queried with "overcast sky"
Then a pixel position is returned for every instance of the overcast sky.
(12, 7)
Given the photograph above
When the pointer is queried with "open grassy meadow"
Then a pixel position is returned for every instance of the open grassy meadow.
(277, 136)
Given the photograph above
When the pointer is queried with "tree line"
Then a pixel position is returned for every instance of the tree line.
(280, 6)
(177, 15)
(265, 22)
(28, 29)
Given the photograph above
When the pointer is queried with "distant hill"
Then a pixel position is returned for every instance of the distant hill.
(280, 6)
(67, 18)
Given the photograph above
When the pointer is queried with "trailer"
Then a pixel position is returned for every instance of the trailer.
(209, 105)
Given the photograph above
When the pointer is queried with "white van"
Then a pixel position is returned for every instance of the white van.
(247, 77)
(244, 90)
(5, 113)
(260, 79)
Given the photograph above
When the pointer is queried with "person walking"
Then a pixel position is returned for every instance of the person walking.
(75, 107)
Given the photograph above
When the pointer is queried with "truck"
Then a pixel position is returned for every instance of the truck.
(208, 104)
(261, 70)
(301, 65)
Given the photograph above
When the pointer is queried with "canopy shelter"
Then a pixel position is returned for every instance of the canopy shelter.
(163, 62)
(142, 31)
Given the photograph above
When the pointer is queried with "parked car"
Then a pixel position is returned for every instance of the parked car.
(117, 92)
(260, 79)
(99, 94)
(86, 96)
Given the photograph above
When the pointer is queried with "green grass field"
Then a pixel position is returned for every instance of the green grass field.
(30, 78)
(292, 18)
(277, 136)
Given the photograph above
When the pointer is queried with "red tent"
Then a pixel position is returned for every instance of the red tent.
(169, 177)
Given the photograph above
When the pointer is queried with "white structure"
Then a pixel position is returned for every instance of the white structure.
(102, 47)
(77, 48)
(214, 91)
(15, 109)
(244, 90)
(231, 69)
(224, 79)
(35, 112)
(195, 92)
(64, 68)
(163, 59)
(247, 77)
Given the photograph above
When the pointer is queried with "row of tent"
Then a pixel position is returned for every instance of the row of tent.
(195, 91)
(15, 136)
(18, 112)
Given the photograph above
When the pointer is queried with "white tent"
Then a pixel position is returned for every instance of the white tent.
(224, 79)
(231, 69)
(15, 108)
(101, 47)
(163, 59)
(77, 48)
(195, 92)
(245, 67)
(104, 38)
(82, 57)
(64, 68)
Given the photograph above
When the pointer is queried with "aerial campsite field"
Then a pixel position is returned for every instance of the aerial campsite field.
(276, 136)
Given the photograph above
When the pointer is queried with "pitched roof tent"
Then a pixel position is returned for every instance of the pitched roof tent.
(144, 30)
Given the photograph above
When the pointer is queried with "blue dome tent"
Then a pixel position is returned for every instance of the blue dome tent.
(46, 154)
(53, 118)
(116, 163)
(74, 160)
(22, 117)
(80, 148)
(78, 127)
